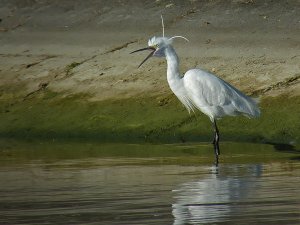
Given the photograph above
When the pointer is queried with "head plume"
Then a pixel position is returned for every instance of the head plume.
(178, 36)
(163, 32)
(163, 25)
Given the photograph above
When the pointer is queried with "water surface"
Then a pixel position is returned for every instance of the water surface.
(92, 183)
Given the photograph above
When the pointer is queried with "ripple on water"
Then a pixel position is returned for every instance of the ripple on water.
(103, 189)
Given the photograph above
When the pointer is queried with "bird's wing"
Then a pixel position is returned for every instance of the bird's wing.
(205, 89)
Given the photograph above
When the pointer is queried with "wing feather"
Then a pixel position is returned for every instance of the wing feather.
(210, 93)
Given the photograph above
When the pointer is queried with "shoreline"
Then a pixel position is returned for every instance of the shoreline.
(160, 119)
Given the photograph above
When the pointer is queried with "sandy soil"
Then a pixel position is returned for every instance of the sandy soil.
(75, 47)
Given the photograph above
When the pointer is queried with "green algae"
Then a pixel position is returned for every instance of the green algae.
(51, 115)
(70, 67)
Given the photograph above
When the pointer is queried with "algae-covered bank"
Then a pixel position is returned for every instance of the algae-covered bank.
(157, 119)
(66, 71)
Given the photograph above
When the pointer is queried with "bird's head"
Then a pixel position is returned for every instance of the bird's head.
(157, 45)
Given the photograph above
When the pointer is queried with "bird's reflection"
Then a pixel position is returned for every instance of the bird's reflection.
(210, 200)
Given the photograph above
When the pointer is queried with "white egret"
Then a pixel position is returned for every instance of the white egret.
(201, 90)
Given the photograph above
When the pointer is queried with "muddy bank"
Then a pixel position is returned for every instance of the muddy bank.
(66, 71)
(48, 115)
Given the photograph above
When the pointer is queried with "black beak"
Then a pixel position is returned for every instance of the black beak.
(143, 49)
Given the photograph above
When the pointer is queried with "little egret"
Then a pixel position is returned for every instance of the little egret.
(199, 89)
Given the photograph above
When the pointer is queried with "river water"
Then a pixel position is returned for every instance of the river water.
(90, 183)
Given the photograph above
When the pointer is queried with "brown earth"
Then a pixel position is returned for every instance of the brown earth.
(83, 46)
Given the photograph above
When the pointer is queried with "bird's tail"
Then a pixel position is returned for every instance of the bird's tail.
(252, 110)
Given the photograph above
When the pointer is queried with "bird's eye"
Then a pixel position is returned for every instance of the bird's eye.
(157, 45)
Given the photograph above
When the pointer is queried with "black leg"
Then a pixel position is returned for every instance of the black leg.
(216, 142)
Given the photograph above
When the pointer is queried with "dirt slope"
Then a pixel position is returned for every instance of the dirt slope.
(81, 48)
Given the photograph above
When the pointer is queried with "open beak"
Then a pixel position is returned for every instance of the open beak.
(152, 49)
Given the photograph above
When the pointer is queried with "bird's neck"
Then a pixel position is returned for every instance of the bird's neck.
(173, 74)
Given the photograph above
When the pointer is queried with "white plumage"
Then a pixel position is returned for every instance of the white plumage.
(199, 89)
(215, 97)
